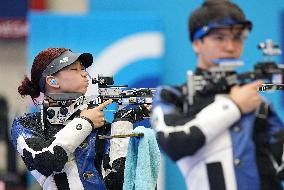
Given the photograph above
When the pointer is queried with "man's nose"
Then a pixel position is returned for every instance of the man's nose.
(230, 44)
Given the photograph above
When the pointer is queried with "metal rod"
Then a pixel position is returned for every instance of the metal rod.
(121, 136)
(267, 87)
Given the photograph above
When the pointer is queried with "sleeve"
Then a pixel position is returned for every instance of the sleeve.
(276, 134)
(175, 129)
(275, 123)
(269, 140)
(48, 155)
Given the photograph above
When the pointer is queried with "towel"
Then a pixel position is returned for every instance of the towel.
(142, 161)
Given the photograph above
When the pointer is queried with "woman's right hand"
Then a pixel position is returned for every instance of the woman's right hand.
(96, 114)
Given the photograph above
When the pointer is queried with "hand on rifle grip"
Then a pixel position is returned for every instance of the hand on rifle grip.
(246, 97)
(96, 114)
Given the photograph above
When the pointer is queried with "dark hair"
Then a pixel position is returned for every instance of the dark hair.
(41, 61)
(214, 11)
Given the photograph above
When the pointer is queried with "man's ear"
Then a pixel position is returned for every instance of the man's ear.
(196, 46)
(51, 82)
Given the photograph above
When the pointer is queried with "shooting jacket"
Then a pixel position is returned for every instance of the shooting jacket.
(60, 157)
(215, 147)
(72, 157)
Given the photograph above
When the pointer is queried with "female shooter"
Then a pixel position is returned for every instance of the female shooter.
(60, 156)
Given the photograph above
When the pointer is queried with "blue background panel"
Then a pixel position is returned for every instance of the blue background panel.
(108, 21)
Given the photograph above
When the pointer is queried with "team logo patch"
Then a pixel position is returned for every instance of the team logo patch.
(64, 60)
(79, 127)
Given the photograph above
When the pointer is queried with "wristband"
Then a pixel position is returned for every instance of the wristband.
(90, 121)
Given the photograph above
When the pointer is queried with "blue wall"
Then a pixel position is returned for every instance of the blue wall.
(179, 56)
(265, 14)
(168, 16)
